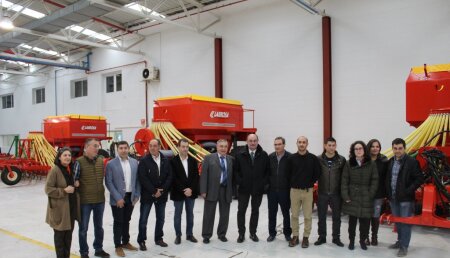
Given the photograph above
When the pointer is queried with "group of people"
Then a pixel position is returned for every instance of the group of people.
(357, 187)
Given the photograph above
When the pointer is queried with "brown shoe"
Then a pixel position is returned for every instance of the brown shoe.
(129, 247)
(294, 241)
(305, 242)
(119, 252)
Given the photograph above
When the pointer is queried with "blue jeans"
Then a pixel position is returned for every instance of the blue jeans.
(86, 209)
(283, 199)
(160, 209)
(189, 216)
(403, 209)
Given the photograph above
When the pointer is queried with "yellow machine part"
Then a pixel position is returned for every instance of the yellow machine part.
(166, 131)
(41, 149)
(434, 124)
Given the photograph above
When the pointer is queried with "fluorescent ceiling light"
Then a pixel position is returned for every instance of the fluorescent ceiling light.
(6, 23)
(141, 8)
(90, 33)
(16, 62)
(26, 11)
(41, 50)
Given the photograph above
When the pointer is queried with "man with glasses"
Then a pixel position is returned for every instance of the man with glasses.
(89, 175)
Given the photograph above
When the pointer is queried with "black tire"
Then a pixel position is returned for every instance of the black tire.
(103, 153)
(8, 180)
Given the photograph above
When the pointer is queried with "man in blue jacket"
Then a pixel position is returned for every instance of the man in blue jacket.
(123, 185)
(155, 177)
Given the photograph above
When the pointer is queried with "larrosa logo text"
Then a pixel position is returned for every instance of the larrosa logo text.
(218, 114)
(88, 127)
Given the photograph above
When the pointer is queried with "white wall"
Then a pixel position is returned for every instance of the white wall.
(272, 62)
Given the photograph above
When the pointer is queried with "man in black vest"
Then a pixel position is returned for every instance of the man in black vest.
(252, 171)
(155, 177)
(185, 189)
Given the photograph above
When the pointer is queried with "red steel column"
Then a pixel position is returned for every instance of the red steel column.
(327, 94)
(218, 67)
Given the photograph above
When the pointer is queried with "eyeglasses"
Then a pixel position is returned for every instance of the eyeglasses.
(357, 149)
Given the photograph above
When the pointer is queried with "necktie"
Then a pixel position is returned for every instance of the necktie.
(252, 155)
(223, 170)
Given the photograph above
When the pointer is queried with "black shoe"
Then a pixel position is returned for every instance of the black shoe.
(161, 243)
(84, 256)
(395, 246)
(241, 239)
(270, 238)
(288, 237)
(305, 242)
(402, 252)
(223, 238)
(178, 240)
(205, 240)
(351, 245)
(321, 240)
(367, 241)
(102, 254)
(374, 241)
(192, 239)
(142, 246)
(254, 237)
(338, 242)
(363, 245)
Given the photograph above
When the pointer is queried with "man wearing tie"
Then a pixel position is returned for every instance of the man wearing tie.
(216, 187)
(124, 189)
(252, 170)
(155, 177)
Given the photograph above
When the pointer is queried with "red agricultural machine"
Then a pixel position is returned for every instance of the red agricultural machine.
(202, 120)
(34, 156)
(428, 109)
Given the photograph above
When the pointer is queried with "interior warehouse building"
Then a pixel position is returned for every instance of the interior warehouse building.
(169, 69)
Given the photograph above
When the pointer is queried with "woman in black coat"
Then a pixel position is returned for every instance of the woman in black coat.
(358, 187)
(374, 148)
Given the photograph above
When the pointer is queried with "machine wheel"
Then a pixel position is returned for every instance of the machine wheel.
(103, 153)
(13, 177)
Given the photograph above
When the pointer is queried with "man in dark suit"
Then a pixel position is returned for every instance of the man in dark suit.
(185, 188)
(124, 189)
(155, 177)
(216, 186)
(251, 170)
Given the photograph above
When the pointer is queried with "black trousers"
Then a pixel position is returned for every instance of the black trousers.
(283, 199)
(209, 214)
(364, 224)
(63, 241)
(243, 200)
(122, 217)
(334, 201)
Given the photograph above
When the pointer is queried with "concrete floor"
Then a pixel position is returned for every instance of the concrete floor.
(24, 233)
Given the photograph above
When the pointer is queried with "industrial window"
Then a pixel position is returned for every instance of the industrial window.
(7, 101)
(113, 83)
(79, 88)
(38, 95)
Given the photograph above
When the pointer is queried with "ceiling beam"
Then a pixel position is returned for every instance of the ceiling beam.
(72, 40)
(21, 73)
(150, 16)
(40, 61)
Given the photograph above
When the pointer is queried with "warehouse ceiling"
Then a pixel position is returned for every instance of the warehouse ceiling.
(62, 32)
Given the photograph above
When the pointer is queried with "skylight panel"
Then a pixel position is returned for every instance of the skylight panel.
(26, 11)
